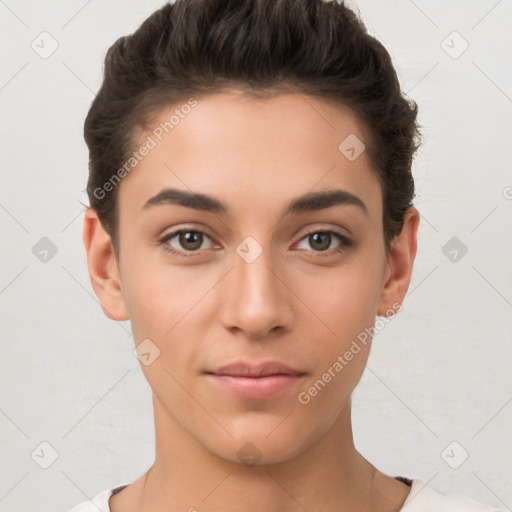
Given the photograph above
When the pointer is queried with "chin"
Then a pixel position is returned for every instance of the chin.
(257, 447)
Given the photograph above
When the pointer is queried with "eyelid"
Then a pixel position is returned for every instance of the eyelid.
(198, 228)
(334, 230)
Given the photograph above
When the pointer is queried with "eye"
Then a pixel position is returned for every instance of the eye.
(189, 239)
(321, 242)
(186, 242)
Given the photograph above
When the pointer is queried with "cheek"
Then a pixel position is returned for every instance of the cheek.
(345, 304)
(157, 295)
(167, 305)
(341, 355)
(344, 300)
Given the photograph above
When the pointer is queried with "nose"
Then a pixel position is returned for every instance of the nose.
(255, 298)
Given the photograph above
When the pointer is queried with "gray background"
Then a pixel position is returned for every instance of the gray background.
(439, 373)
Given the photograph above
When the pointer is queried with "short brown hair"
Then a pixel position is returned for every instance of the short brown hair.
(195, 47)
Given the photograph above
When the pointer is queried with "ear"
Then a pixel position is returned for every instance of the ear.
(103, 269)
(400, 264)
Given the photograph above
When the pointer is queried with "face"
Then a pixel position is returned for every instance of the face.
(243, 278)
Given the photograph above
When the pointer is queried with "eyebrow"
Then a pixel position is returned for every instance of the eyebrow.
(312, 201)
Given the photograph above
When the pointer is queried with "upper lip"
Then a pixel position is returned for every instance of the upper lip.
(244, 369)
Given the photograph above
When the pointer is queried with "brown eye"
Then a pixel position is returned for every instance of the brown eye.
(190, 240)
(320, 242)
(184, 240)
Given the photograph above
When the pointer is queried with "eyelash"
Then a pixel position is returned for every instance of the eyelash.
(345, 242)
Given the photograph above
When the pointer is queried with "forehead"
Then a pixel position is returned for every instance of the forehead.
(252, 151)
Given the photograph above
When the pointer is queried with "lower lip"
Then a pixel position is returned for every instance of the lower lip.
(256, 388)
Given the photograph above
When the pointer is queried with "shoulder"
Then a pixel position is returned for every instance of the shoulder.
(99, 503)
(424, 498)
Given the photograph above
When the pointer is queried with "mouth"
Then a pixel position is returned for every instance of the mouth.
(255, 382)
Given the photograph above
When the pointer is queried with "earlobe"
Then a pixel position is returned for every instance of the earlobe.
(400, 264)
(103, 269)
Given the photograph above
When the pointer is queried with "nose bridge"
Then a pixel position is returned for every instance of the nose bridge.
(255, 299)
(253, 263)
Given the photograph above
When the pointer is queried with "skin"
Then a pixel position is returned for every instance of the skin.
(292, 304)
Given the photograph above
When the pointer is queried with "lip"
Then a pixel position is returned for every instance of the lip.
(256, 382)
(245, 369)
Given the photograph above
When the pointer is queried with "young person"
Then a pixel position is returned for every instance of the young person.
(251, 214)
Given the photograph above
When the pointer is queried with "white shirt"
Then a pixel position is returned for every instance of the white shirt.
(422, 498)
